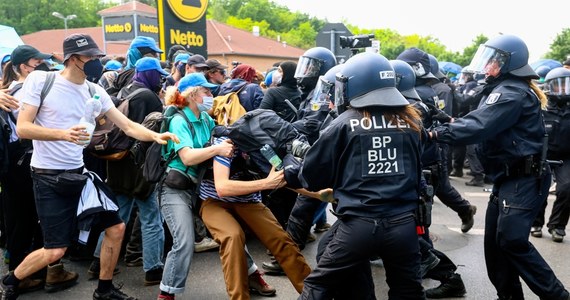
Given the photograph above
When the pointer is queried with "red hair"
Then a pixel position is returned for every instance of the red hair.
(245, 72)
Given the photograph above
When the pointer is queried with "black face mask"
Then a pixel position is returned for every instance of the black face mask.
(93, 69)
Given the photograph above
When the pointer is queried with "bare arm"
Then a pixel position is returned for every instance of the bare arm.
(228, 187)
(28, 130)
(325, 195)
(138, 131)
(192, 157)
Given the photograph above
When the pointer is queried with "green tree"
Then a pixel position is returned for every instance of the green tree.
(560, 48)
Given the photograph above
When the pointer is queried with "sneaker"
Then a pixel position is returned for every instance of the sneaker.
(452, 287)
(322, 227)
(205, 245)
(165, 297)
(95, 268)
(272, 268)
(536, 231)
(476, 181)
(467, 219)
(153, 277)
(114, 293)
(311, 238)
(7, 292)
(557, 234)
(258, 285)
(58, 278)
(134, 262)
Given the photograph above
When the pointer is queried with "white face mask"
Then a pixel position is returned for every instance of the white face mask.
(207, 103)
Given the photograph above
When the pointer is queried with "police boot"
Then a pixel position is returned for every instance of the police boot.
(456, 173)
(476, 181)
(449, 288)
(58, 278)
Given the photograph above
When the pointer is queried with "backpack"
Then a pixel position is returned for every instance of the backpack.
(109, 142)
(227, 108)
(155, 162)
(557, 124)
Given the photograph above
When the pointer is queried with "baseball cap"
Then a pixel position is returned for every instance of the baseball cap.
(194, 79)
(197, 60)
(81, 44)
(113, 65)
(23, 53)
(6, 58)
(149, 63)
(181, 57)
(215, 64)
(145, 41)
(419, 60)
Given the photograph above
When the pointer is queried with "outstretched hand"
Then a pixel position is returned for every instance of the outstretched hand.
(163, 138)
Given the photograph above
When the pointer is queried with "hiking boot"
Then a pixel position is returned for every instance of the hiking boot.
(95, 268)
(428, 263)
(153, 277)
(205, 244)
(258, 285)
(322, 227)
(476, 181)
(272, 268)
(30, 285)
(449, 288)
(134, 262)
(114, 293)
(536, 231)
(467, 219)
(456, 173)
(311, 238)
(8, 292)
(557, 234)
(58, 278)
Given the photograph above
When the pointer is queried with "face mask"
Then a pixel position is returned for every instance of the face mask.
(93, 69)
(42, 67)
(207, 103)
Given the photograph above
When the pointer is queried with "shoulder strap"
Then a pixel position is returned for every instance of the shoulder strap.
(181, 113)
(92, 90)
(50, 78)
(16, 88)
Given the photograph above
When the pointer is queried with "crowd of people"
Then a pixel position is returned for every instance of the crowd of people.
(383, 137)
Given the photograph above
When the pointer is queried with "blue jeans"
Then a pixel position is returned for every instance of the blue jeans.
(151, 229)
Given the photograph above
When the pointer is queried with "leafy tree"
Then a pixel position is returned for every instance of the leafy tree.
(560, 48)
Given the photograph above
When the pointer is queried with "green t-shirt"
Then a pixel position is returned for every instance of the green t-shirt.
(203, 128)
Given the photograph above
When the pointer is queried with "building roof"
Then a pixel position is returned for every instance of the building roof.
(129, 8)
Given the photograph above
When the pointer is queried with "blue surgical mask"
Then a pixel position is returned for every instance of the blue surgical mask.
(93, 69)
(207, 103)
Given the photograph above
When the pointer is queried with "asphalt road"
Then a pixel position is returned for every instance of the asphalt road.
(205, 280)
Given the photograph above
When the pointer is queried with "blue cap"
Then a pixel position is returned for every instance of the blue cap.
(149, 63)
(113, 65)
(181, 57)
(145, 41)
(6, 58)
(194, 79)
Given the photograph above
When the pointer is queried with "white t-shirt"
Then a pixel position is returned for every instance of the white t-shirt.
(17, 95)
(62, 108)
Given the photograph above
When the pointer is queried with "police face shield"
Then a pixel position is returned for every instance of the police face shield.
(323, 93)
(307, 67)
(340, 92)
(558, 87)
(488, 61)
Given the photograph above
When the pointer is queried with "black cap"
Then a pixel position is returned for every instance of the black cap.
(215, 64)
(415, 56)
(23, 53)
(197, 60)
(81, 44)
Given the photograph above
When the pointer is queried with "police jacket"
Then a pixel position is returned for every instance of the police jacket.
(373, 167)
(508, 124)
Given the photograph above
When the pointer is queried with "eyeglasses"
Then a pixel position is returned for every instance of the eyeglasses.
(223, 72)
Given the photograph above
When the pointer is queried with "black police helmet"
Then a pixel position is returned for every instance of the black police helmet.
(557, 85)
(324, 90)
(434, 64)
(367, 79)
(419, 60)
(405, 79)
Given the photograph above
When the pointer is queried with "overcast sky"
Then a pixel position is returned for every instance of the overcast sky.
(537, 23)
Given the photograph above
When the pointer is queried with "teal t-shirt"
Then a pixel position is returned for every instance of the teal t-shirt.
(203, 128)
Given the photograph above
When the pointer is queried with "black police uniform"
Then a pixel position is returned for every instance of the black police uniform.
(510, 125)
(372, 221)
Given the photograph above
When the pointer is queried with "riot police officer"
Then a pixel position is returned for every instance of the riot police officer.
(509, 124)
(374, 169)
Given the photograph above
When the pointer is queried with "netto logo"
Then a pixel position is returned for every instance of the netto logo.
(188, 10)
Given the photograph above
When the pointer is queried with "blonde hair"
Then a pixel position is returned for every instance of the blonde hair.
(541, 96)
(180, 100)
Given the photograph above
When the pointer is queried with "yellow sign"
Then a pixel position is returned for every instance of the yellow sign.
(117, 28)
(188, 10)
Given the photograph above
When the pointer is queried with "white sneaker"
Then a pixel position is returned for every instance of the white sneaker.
(205, 245)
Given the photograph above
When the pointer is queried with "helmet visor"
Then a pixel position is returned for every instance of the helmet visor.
(340, 91)
(324, 91)
(558, 86)
(307, 67)
(488, 61)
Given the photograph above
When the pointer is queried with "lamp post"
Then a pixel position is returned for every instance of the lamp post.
(69, 17)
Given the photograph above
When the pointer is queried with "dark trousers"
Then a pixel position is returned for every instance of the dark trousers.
(444, 191)
(354, 240)
(474, 163)
(301, 219)
(509, 255)
(445, 268)
(458, 157)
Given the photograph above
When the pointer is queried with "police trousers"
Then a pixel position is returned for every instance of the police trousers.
(509, 255)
